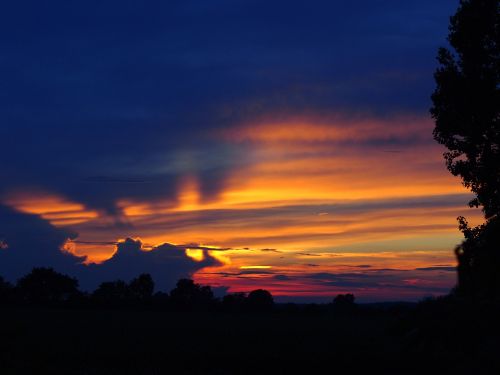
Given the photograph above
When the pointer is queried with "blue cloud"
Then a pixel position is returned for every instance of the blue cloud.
(29, 241)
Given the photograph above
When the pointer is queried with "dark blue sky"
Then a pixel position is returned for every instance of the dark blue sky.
(87, 87)
(105, 102)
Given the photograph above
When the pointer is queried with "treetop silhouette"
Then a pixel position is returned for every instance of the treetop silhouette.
(466, 102)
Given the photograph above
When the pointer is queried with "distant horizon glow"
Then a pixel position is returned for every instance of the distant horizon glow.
(305, 199)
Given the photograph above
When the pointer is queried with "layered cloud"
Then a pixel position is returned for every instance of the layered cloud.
(307, 192)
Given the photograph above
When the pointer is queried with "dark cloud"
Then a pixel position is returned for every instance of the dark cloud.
(166, 263)
(271, 250)
(309, 254)
(32, 241)
(29, 241)
(240, 274)
(281, 277)
(200, 247)
(438, 268)
(389, 279)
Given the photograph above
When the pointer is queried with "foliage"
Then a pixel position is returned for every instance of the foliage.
(111, 292)
(466, 102)
(141, 288)
(44, 285)
(188, 294)
(466, 109)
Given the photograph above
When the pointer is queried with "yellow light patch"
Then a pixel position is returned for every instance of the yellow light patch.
(195, 254)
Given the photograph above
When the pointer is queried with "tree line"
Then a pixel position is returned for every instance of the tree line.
(46, 287)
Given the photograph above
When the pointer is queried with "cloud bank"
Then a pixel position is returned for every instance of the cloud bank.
(29, 241)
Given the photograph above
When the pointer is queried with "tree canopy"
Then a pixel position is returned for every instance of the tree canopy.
(466, 102)
(43, 285)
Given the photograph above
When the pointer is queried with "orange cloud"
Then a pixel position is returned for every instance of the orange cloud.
(327, 194)
(56, 209)
(331, 129)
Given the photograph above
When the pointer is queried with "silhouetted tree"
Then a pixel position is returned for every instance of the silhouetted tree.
(260, 300)
(467, 100)
(188, 294)
(466, 108)
(111, 293)
(141, 288)
(44, 285)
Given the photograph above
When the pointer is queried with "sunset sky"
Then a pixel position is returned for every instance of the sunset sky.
(284, 145)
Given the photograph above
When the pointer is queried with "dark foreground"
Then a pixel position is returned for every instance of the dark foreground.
(430, 339)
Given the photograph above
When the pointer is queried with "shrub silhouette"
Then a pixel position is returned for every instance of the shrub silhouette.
(44, 285)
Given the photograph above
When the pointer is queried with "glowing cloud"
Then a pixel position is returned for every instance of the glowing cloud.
(326, 195)
(56, 209)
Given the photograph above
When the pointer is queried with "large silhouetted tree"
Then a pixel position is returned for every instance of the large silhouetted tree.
(188, 294)
(44, 285)
(141, 288)
(467, 100)
(112, 293)
(466, 109)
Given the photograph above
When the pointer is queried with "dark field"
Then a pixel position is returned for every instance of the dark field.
(309, 341)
